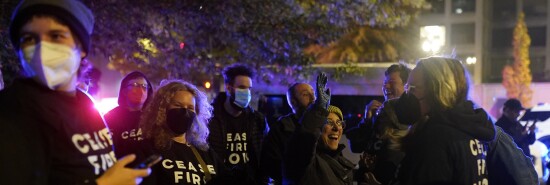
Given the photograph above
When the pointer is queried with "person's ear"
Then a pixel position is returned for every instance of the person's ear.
(293, 102)
(227, 87)
(83, 54)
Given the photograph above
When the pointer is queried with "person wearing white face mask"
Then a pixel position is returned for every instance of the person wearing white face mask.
(51, 133)
(237, 130)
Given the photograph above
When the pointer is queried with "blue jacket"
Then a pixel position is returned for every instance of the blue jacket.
(507, 164)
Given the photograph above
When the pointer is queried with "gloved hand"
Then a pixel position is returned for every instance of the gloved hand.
(323, 93)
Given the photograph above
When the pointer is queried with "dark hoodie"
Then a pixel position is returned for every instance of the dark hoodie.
(448, 148)
(255, 127)
(124, 124)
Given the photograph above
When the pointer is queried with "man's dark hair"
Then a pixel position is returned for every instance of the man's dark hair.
(402, 69)
(232, 71)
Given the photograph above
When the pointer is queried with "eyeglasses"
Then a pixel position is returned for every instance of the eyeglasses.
(409, 87)
(136, 85)
(338, 123)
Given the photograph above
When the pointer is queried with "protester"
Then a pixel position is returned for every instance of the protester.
(394, 83)
(123, 120)
(237, 130)
(299, 97)
(379, 134)
(523, 135)
(175, 122)
(446, 144)
(313, 154)
(506, 163)
(51, 133)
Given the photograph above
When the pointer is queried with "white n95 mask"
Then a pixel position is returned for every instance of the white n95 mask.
(50, 64)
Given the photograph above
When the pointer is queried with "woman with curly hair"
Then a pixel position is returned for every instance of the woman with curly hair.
(175, 123)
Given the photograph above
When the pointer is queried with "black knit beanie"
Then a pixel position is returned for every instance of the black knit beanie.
(72, 12)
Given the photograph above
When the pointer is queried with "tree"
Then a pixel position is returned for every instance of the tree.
(516, 78)
(195, 39)
(9, 64)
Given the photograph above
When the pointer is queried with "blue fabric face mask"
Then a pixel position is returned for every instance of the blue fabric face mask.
(242, 97)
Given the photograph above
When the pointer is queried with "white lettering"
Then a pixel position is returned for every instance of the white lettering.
(178, 175)
(82, 148)
(180, 164)
(191, 167)
(472, 148)
(166, 165)
(139, 133)
(234, 158)
(107, 136)
(237, 137)
(211, 169)
(124, 135)
(91, 142)
(245, 158)
(98, 141)
(196, 179)
(244, 136)
(239, 147)
(93, 160)
(229, 137)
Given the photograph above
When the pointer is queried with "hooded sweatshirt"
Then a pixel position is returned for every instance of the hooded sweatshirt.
(448, 148)
(124, 124)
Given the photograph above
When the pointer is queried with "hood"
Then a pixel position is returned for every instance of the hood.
(124, 82)
(474, 122)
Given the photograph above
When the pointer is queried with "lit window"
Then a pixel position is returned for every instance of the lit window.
(432, 38)
(463, 6)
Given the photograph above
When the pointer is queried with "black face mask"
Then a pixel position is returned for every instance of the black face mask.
(179, 120)
(407, 109)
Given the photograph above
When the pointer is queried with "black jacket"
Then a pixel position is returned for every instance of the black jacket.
(383, 138)
(448, 148)
(514, 129)
(50, 138)
(256, 129)
(307, 162)
(274, 146)
(506, 163)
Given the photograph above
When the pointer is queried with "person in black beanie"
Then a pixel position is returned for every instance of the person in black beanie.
(51, 133)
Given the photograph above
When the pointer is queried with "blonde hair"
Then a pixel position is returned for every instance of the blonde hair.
(153, 120)
(446, 81)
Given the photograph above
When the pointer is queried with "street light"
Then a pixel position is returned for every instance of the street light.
(432, 38)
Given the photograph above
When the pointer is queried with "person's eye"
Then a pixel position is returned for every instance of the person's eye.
(27, 39)
(57, 36)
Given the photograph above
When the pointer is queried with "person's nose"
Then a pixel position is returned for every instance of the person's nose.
(335, 128)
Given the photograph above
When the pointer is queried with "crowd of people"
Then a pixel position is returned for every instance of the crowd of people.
(425, 132)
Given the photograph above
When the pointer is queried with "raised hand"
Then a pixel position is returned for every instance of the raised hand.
(323, 93)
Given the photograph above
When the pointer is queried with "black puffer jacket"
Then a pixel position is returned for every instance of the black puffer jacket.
(256, 129)
(307, 162)
(449, 148)
(274, 146)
